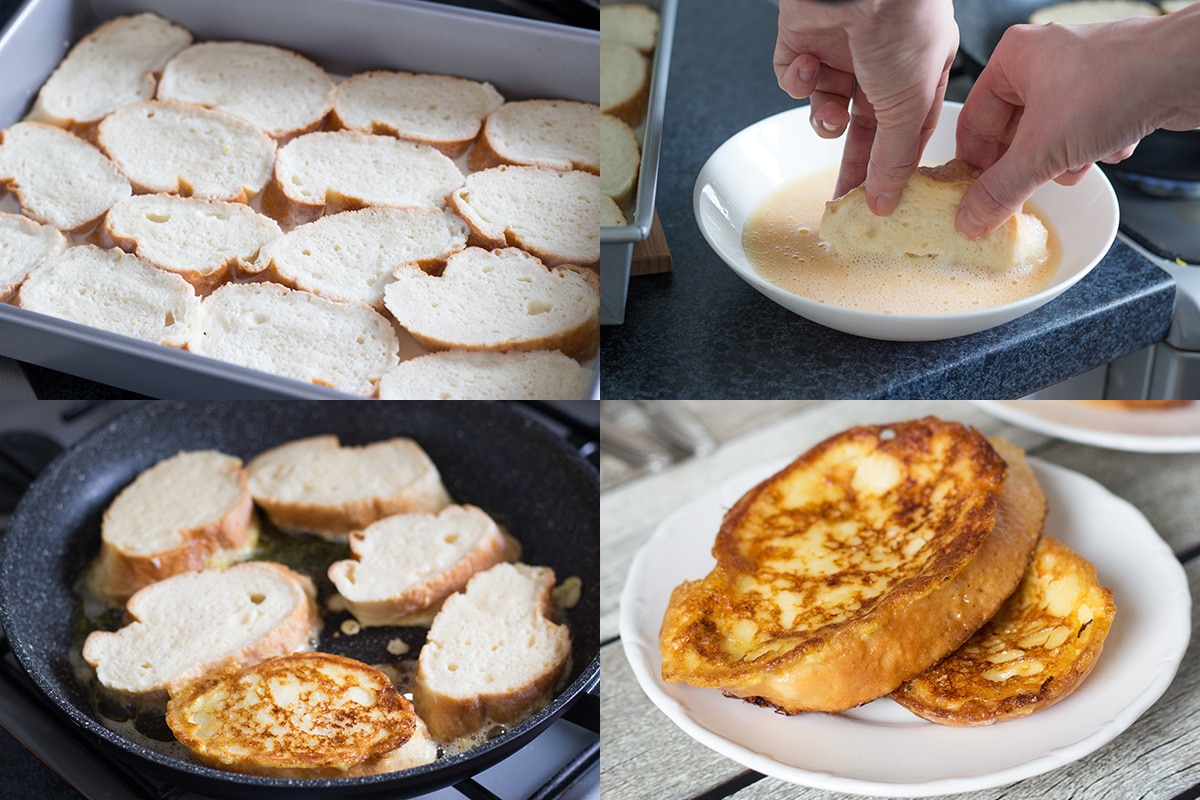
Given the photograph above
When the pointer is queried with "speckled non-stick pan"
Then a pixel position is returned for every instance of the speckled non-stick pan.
(487, 454)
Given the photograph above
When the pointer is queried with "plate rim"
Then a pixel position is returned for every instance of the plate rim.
(1109, 440)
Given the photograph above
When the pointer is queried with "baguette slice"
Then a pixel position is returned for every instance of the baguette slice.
(557, 134)
(185, 513)
(202, 240)
(482, 375)
(113, 66)
(23, 245)
(624, 82)
(197, 622)
(317, 486)
(634, 24)
(280, 92)
(611, 214)
(406, 565)
(499, 300)
(438, 110)
(59, 178)
(349, 257)
(493, 654)
(620, 159)
(186, 149)
(553, 215)
(114, 291)
(1088, 11)
(296, 335)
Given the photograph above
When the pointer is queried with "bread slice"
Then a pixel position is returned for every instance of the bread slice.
(406, 565)
(922, 226)
(624, 82)
(1171, 6)
(1038, 648)
(857, 567)
(635, 24)
(493, 654)
(296, 335)
(59, 178)
(186, 512)
(1086, 11)
(304, 715)
(280, 92)
(345, 170)
(350, 256)
(499, 300)
(113, 66)
(611, 215)
(202, 240)
(482, 375)
(315, 485)
(23, 245)
(438, 110)
(558, 134)
(197, 622)
(553, 215)
(620, 159)
(186, 149)
(114, 291)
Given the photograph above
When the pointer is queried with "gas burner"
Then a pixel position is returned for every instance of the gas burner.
(1160, 187)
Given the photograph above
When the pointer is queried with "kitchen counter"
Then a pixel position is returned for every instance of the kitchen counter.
(700, 331)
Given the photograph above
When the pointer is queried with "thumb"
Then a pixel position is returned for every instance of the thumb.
(996, 195)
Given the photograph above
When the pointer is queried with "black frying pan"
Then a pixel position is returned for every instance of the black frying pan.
(1171, 155)
(487, 454)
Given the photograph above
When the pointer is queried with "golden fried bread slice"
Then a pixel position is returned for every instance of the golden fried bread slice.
(1038, 648)
(308, 715)
(857, 567)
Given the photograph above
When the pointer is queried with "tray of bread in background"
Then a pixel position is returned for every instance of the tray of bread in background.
(378, 199)
(636, 40)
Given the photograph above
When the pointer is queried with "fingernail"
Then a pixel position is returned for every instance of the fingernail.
(967, 225)
(806, 73)
(823, 126)
(886, 202)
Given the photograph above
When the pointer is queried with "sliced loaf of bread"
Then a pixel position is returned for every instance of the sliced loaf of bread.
(197, 622)
(112, 66)
(296, 335)
(559, 134)
(494, 655)
(406, 565)
(439, 110)
(482, 375)
(186, 512)
(620, 158)
(499, 300)
(115, 291)
(59, 178)
(624, 81)
(202, 240)
(23, 245)
(350, 256)
(634, 24)
(281, 92)
(315, 485)
(554, 215)
(186, 149)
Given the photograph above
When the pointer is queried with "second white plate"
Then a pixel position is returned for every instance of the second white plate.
(1165, 430)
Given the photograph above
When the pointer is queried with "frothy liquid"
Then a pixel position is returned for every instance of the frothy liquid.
(784, 248)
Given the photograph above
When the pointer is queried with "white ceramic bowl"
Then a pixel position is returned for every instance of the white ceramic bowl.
(779, 149)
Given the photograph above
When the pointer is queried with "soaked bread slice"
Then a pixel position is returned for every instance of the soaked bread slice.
(1038, 648)
(23, 245)
(857, 567)
(922, 226)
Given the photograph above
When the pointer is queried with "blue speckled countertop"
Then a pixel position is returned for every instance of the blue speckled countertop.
(699, 331)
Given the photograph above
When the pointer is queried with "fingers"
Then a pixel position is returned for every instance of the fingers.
(1120, 155)
(830, 112)
(1072, 176)
(856, 155)
(894, 156)
(999, 193)
(987, 120)
(799, 76)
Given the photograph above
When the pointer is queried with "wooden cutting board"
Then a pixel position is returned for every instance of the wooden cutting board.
(651, 256)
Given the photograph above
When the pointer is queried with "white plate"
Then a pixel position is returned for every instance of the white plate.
(1166, 430)
(779, 149)
(881, 748)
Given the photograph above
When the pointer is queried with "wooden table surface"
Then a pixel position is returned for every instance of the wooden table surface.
(646, 756)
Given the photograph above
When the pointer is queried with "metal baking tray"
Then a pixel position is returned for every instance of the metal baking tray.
(521, 58)
(616, 244)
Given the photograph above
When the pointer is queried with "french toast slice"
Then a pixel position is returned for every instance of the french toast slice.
(1038, 648)
(856, 567)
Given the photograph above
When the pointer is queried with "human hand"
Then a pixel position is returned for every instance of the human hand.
(875, 69)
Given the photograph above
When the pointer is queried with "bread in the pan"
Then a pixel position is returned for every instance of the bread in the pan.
(494, 654)
(59, 178)
(23, 245)
(113, 66)
(620, 159)
(297, 335)
(442, 111)
(499, 300)
(624, 82)
(202, 240)
(115, 291)
(279, 91)
(316, 485)
(186, 149)
(406, 565)
(1086, 11)
(635, 24)
(559, 134)
(195, 622)
(483, 375)
(187, 512)
(611, 215)
(553, 215)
